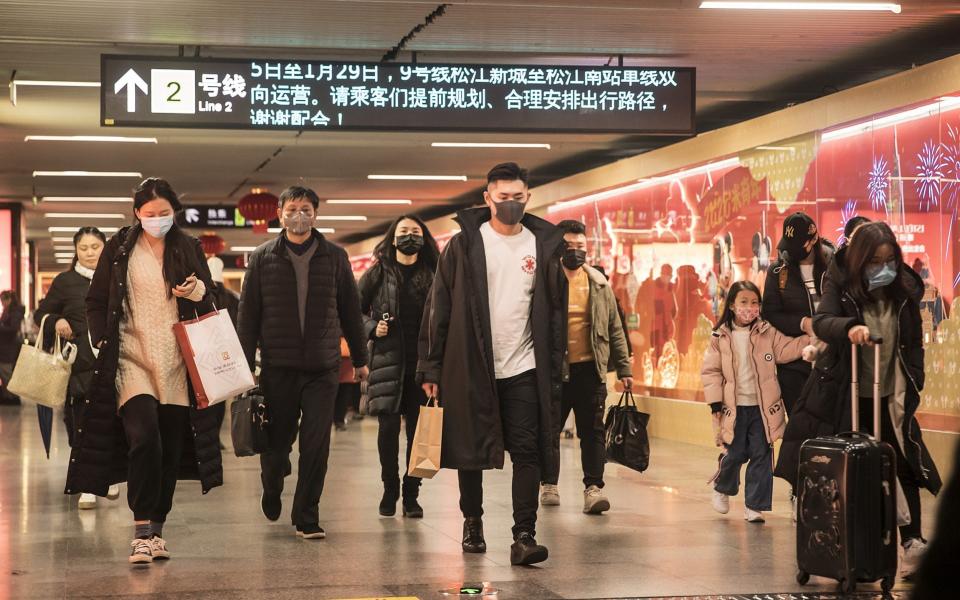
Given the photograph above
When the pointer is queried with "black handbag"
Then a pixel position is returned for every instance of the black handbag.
(249, 423)
(626, 434)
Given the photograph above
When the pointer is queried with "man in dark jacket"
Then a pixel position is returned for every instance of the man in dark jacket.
(298, 298)
(792, 292)
(490, 350)
(595, 343)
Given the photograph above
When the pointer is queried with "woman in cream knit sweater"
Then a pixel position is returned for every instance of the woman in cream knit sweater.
(141, 423)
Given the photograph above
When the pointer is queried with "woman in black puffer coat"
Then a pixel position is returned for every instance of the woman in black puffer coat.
(869, 292)
(393, 293)
(65, 307)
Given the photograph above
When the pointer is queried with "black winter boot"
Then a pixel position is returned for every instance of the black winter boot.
(526, 551)
(473, 541)
(388, 504)
(412, 508)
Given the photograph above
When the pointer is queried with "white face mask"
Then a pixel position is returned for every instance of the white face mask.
(157, 226)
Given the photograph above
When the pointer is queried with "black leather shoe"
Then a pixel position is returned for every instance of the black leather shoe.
(473, 541)
(526, 551)
(412, 508)
(388, 504)
(271, 505)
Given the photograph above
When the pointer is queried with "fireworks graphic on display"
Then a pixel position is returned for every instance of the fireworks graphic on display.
(848, 211)
(951, 152)
(929, 172)
(878, 183)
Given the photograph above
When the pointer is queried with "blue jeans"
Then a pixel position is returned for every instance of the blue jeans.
(749, 444)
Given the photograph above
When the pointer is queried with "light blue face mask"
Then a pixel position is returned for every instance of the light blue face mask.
(881, 276)
(157, 226)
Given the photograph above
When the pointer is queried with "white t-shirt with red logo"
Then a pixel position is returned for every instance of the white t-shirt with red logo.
(511, 274)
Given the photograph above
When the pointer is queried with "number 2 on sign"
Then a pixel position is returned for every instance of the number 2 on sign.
(173, 95)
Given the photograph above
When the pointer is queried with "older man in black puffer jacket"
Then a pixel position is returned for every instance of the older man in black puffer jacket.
(299, 297)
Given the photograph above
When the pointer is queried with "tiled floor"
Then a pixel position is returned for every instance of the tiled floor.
(661, 537)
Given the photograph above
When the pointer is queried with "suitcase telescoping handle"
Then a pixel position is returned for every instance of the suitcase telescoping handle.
(855, 387)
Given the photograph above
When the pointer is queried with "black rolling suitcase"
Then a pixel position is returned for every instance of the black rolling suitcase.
(846, 502)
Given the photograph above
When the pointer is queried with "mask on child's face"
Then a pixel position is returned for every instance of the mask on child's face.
(747, 314)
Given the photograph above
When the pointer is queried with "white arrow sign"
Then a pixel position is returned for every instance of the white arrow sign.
(192, 215)
(131, 81)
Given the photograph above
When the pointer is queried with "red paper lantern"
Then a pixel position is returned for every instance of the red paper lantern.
(258, 207)
(212, 244)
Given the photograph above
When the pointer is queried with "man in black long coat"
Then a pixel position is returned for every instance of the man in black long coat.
(490, 350)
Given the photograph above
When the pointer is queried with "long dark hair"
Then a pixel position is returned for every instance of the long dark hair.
(79, 236)
(179, 256)
(869, 237)
(385, 252)
(727, 316)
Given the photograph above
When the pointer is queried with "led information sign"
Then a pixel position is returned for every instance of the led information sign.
(325, 95)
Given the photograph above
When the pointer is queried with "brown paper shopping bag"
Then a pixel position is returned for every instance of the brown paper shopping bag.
(425, 455)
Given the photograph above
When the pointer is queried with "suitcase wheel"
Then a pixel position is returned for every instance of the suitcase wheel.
(887, 584)
(803, 577)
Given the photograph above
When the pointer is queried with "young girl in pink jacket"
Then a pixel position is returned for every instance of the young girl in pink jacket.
(740, 384)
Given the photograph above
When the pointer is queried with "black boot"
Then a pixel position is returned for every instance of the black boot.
(526, 551)
(412, 508)
(388, 504)
(473, 541)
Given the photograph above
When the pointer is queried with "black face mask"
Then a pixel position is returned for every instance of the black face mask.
(510, 212)
(409, 244)
(573, 258)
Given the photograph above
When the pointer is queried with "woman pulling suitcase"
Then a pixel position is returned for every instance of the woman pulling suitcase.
(870, 293)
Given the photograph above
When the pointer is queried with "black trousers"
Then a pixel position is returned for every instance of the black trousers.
(345, 399)
(905, 475)
(388, 442)
(791, 384)
(155, 435)
(520, 417)
(586, 395)
(298, 402)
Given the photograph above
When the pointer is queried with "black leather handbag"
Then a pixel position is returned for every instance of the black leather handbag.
(626, 434)
(249, 424)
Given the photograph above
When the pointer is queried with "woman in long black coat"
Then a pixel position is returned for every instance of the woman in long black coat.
(140, 422)
(869, 292)
(396, 287)
(65, 308)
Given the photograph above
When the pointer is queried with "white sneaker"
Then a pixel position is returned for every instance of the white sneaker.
(142, 552)
(113, 492)
(721, 502)
(159, 548)
(87, 501)
(752, 516)
(594, 502)
(913, 551)
(549, 495)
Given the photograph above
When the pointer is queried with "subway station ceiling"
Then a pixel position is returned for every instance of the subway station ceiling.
(748, 63)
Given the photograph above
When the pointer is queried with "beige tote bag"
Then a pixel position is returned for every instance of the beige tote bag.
(39, 376)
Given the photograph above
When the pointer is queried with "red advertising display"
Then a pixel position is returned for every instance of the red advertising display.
(673, 244)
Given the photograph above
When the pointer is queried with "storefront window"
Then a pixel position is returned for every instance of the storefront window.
(673, 244)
